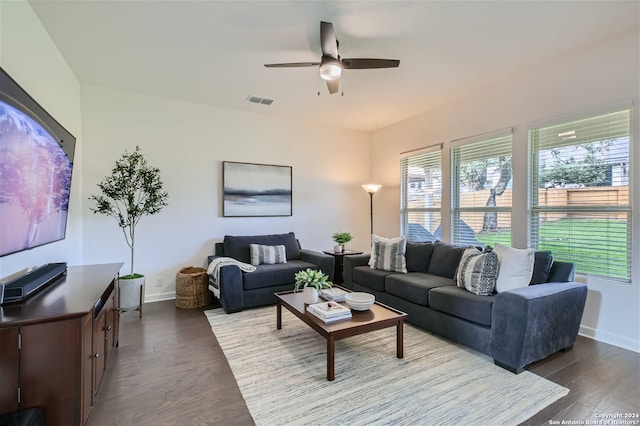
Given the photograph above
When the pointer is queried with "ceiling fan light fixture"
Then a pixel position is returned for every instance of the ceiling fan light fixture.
(330, 69)
(332, 64)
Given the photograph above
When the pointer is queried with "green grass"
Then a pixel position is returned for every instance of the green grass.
(597, 247)
(491, 238)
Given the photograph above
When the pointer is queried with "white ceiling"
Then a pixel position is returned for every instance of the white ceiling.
(212, 52)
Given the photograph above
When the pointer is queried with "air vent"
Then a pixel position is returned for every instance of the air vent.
(259, 100)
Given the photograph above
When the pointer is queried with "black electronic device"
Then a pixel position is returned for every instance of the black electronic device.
(24, 286)
(36, 164)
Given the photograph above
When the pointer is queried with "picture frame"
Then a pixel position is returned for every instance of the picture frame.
(256, 190)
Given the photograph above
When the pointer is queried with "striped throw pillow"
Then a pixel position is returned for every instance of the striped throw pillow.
(267, 254)
(389, 256)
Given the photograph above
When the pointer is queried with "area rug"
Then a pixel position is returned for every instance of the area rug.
(282, 376)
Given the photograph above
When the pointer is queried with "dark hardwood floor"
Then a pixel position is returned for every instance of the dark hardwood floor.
(170, 370)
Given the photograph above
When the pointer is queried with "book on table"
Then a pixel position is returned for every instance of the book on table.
(329, 320)
(333, 294)
(329, 311)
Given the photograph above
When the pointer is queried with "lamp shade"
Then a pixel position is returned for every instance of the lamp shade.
(371, 188)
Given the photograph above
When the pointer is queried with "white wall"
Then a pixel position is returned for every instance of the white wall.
(605, 73)
(29, 56)
(188, 142)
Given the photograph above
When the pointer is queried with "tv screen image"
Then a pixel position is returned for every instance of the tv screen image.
(35, 172)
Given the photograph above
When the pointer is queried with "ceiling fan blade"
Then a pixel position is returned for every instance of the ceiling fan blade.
(365, 63)
(328, 41)
(333, 86)
(293, 64)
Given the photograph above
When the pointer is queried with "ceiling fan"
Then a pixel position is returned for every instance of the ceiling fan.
(331, 64)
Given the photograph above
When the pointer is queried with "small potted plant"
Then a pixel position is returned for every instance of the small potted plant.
(342, 238)
(311, 282)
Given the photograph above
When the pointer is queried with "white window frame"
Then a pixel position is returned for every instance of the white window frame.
(431, 154)
(535, 210)
(496, 139)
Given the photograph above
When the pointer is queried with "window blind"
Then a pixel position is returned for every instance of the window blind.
(420, 196)
(481, 191)
(579, 182)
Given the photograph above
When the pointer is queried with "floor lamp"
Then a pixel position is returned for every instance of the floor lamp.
(371, 188)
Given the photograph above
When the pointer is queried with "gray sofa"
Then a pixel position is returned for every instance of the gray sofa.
(239, 290)
(515, 327)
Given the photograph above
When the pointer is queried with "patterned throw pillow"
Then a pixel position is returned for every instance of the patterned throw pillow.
(478, 271)
(267, 254)
(375, 238)
(389, 255)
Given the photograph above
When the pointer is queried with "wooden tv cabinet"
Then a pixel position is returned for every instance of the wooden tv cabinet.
(55, 345)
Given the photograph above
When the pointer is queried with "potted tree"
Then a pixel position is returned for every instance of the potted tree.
(133, 190)
(342, 238)
(311, 282)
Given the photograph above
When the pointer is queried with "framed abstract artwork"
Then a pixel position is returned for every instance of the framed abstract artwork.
(256, 189)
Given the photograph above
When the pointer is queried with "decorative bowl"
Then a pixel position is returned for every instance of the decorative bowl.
(359, 301)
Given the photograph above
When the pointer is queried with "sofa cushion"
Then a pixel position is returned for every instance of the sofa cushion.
(515, 267)
(460, 303)
(267, 254)
(562, 272)
(445, 259)
(478, 271)
(418, 256)
(237, 246)
(541, 267)
(415, 286)
(275, 275)
(389, 256)
(372, 278)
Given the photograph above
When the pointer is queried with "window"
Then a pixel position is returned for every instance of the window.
(481, 191)
(420, 196)
(579, 181)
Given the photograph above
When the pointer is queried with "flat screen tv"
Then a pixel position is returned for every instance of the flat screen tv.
(36, 161)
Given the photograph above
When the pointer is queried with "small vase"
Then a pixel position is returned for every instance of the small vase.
(310, 295)
(344, 247)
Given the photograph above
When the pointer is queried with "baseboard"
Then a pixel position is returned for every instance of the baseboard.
(610, 338)
(158, 297)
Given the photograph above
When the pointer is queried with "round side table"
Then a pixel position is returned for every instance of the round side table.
(338, 267)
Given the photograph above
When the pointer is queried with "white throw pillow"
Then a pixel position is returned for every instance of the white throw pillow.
(515, 267)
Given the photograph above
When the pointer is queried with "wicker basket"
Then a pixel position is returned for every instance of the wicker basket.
(191, 288)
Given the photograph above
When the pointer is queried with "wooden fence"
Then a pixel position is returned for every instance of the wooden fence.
(611, 195)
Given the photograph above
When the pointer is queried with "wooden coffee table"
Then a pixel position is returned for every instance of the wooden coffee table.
(378, 317)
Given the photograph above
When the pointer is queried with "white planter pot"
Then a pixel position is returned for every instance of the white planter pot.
(337, 249)
(310, 295)
(130, 293)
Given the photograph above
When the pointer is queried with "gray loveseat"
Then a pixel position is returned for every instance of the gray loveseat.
(515, 327)
(240, 289)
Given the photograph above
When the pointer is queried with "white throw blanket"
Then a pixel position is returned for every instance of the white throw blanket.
(214, 271)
